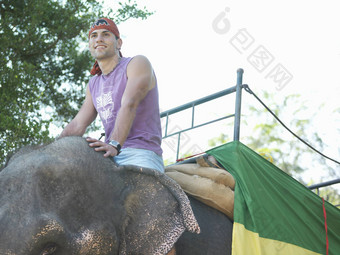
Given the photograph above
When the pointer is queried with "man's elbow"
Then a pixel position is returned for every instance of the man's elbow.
(130, 105)
(73, 129)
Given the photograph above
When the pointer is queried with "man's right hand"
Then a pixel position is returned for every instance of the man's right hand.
(110, 151)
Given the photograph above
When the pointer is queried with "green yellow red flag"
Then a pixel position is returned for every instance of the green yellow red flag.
(273, 212)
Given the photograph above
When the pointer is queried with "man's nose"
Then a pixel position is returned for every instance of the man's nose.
(99, 38)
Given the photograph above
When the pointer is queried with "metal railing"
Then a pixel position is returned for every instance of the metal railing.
(237, 115)
(322, 185)
(237, 119)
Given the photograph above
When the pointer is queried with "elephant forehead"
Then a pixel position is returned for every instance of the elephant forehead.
(36, 179)
(41, 169)
(48, 185)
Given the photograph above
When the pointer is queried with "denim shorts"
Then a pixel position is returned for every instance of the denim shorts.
(140, 157)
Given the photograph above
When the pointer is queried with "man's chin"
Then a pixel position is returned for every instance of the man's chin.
(102, 56)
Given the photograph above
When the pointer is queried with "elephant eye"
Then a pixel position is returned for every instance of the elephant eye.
(49, 249)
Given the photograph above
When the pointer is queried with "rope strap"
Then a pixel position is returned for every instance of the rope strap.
(246, 87)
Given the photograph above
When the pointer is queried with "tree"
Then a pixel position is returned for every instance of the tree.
(44, 68)
(272, 140)
(270, 137)
(277, 145)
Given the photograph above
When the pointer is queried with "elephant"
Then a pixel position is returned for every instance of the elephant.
(65, 198)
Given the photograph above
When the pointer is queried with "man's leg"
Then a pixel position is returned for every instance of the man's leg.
(140, 157)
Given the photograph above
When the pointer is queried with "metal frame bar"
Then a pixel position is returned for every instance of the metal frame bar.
(198, 102)
(237, 122)
(322, 185)
(236, 115)
(201, 125)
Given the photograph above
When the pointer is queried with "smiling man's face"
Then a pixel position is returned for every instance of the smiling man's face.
(103, 44)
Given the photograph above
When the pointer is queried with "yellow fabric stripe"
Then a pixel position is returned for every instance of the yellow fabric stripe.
(246, 242)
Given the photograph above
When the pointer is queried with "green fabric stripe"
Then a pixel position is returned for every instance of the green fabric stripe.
(273, 204)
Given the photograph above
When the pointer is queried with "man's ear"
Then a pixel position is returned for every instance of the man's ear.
(119, 43)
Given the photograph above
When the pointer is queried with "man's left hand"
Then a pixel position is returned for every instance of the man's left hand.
(102, 146)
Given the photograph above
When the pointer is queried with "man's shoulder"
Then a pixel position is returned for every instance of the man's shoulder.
(139, 61)
(94, 78)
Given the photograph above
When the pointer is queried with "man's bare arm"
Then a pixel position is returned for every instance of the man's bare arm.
(86, 115)
(141, 80)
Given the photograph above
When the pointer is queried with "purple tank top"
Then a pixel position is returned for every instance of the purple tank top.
(107, 92)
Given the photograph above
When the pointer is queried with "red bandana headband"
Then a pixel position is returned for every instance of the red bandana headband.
(103, 23)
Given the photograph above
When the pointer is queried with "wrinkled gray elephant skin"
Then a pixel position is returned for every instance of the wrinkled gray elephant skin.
(216, 233)
(67, 199)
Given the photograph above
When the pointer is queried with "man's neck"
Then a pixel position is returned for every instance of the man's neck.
(108, 65)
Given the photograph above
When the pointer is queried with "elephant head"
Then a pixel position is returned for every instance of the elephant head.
(65, 198)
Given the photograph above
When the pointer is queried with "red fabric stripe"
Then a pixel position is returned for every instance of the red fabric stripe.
(325, 216)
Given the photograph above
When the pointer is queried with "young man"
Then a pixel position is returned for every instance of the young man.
(124, 93)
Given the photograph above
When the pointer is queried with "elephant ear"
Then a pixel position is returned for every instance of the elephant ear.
(157, 212)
